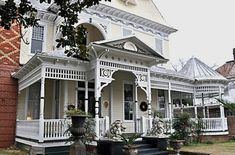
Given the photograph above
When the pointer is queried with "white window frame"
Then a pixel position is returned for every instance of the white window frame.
(44, 38)
(123, 101)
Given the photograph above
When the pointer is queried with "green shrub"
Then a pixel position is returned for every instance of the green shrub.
(182, 128)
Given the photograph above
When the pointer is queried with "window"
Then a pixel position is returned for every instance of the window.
(159, 45)
(127, 32)
(128, 101)
(91, 97)
(37, 39)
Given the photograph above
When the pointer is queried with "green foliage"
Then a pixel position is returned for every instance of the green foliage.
(209, 142)
(228, 105)
(183, 128)
(77, 112)
(197, 129)
(129, 138)
(73, 38)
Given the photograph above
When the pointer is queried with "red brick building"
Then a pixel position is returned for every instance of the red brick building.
(9, 62)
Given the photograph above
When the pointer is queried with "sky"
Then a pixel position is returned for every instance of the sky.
(206, 29)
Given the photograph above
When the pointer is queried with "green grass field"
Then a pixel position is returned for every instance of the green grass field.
(12, 152)
(227, 148)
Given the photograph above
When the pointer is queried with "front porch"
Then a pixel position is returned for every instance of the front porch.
(53, 130)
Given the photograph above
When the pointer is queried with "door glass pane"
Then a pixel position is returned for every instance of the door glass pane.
(34, 101)
(128, 101)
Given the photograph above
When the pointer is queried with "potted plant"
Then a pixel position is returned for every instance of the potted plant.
(82, 130)
(128, 139)
(183, 128)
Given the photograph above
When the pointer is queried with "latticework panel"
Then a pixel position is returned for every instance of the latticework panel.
(57, 73)
(123, 67)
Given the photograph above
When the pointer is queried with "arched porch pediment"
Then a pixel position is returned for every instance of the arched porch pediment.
(130, 49)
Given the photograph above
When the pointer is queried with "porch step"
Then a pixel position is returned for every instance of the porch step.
(148, 149)
(155, 153)
(143, 146)
(64, 150)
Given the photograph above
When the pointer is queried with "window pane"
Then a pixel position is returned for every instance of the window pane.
(34, 101)
(161, 99)
(128, 110)
(81, 84)
(36, 46)
(38, 32)
(37, 39)
(158, 43)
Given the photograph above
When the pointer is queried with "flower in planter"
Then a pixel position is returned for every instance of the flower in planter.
(76, 112)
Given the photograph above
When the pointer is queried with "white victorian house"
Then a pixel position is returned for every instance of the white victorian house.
(125, 78)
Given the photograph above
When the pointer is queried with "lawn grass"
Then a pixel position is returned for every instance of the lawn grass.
(226, 148)
(12, 151)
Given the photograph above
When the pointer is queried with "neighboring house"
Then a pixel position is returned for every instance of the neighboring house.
(9, 62)
(228, 71)
(122, 81)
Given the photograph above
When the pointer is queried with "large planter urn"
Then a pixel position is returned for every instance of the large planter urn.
(177, 145)
(77, 130)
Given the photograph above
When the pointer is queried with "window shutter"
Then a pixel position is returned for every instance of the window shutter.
(158, 45)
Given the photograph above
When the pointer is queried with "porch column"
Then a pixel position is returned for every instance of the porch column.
(166, 105)
(194, 102)
(221, 109)
(170, 105)
(136, 104)
(181, 104)
(97, 96)
(41, 113)
(169, 100)
(149, 99)
(203, 107)
(65, 97)
(86, 96)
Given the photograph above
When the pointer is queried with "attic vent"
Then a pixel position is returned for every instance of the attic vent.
(133, 2)
(130, 46)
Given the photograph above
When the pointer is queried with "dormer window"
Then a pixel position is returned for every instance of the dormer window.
(126, 32)
(159, 45)
(37, 39)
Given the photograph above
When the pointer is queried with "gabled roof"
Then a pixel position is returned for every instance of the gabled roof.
(227, 69)
(200, 71)
(131, 44)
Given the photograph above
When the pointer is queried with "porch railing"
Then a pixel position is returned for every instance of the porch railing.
(27, 128)
(209, 125)
(103, 126)
(53, 129)
(215, 124)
